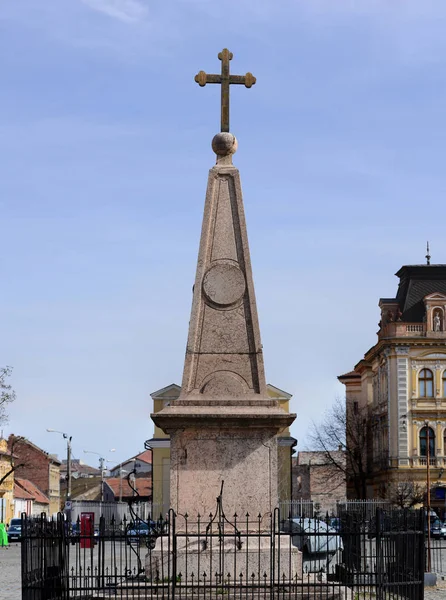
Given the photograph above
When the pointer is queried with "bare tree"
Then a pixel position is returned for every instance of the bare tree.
(344, 427)
(7, 394)
(404, 493)
(13, 466)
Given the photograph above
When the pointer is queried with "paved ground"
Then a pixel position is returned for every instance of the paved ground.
(438, 593)
(10, 574)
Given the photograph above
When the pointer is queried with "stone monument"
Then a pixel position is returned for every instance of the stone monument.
(223, 426)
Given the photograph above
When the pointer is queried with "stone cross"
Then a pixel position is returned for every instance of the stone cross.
(225, 79)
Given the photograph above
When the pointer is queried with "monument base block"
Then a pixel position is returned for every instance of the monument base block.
(251, 561)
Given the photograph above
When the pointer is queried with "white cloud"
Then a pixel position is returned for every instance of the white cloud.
(405, 32)
(123, 10)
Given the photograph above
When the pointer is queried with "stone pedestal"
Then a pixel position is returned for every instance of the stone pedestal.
(253, 563)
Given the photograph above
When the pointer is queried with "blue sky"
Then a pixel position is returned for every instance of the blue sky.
(104, 152)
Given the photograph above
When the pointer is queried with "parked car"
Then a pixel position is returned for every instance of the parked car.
(438, 529)
(15, 530)
(321, 545)
(335, 523)
(143, 532)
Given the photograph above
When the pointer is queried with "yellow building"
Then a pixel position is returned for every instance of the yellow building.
(400, 385)
(160, 445)
(7, 486)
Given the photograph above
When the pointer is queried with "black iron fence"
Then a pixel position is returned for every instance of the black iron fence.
(262, 557)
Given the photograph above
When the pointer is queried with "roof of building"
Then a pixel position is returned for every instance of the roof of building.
(77, 466)
(142, 485)
(275, 391)
(30, 490)
(171, 391)
(350, 375)
(83, 488)
(417, 282)
(317, 457)
(24, 441)
(145, 456)
(21, 493)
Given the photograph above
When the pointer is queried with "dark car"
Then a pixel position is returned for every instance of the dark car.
(143, 532)
(438, 529)
(15, 530)
(335, 523)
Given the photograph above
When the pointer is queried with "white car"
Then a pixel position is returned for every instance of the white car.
(321, 545)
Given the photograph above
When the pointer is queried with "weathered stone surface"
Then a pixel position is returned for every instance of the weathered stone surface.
(245, 459)
(223, 426)
(224, 143)
(249, 565)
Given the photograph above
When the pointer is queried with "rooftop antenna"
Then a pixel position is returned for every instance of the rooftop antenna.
(428, 256)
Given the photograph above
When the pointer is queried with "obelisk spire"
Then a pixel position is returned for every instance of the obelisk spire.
(224, 360)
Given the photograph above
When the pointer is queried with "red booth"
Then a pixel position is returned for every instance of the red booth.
(87, 530)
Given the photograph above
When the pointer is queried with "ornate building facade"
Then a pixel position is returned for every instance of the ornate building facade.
(399, 387)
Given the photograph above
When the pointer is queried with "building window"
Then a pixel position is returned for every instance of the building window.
(423, 441)
(444, 442)
(426, 383)
(444, 384)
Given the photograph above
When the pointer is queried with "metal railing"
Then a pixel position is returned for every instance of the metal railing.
(246, 556)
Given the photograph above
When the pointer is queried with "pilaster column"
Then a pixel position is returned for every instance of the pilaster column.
(438, 441)
(402, 362)
(415, 438)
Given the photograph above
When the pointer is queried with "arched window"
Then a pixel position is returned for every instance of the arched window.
(423, 442)
(444, 384)
(426, 383)
(444, 442)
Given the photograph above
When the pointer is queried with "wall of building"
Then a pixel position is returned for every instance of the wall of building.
(408, 342)
(7, 486)
(22, 506)
(316, 478)
(160, 479)
(39, 468)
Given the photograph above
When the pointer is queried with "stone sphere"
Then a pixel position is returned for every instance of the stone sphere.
(224, 144)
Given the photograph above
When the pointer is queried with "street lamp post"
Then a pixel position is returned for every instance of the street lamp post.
(121, 471)
(102, 462)
(68, 494)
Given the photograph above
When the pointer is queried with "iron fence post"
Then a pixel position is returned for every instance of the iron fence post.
(379, 557)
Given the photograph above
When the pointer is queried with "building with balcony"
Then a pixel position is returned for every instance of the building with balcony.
(399, 387)
(160, 446)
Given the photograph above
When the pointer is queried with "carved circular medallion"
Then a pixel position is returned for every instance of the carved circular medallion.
(224, 284)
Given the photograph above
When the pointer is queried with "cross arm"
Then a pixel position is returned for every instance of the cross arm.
(247, 80)
(203, 78)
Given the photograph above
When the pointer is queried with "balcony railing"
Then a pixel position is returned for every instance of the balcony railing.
(400, 329)
(421, 461)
